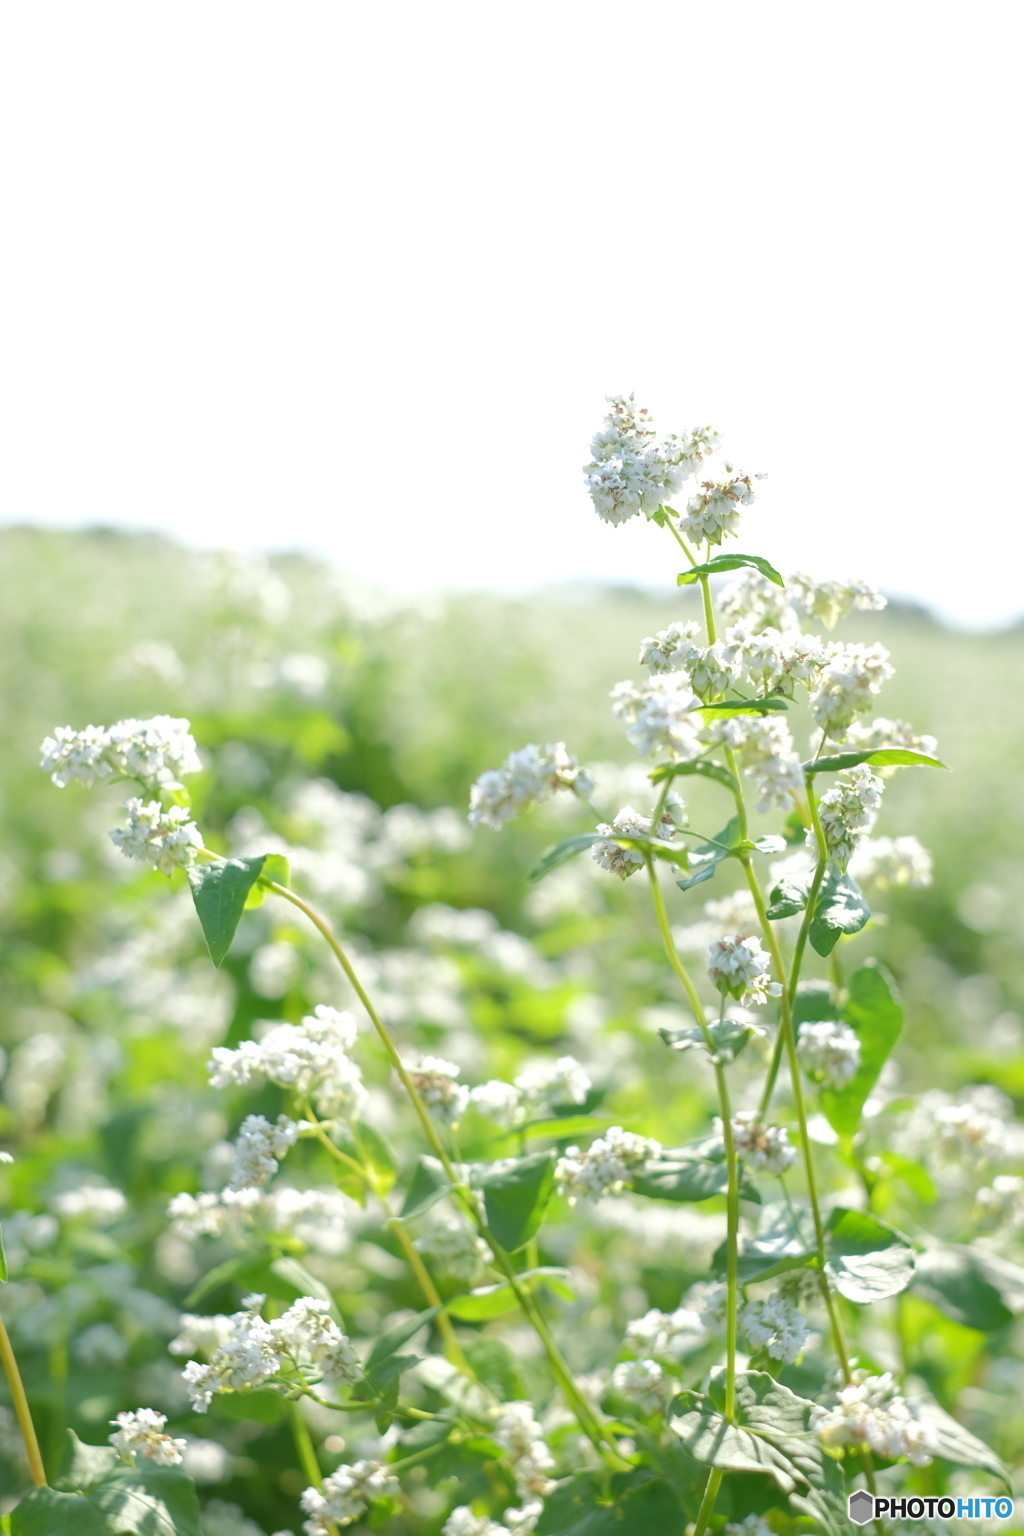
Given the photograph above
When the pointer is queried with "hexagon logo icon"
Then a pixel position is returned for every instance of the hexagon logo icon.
(861, 1506)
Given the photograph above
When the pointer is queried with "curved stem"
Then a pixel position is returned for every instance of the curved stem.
(589, 1422)
(707, 1503)
(22, 1413)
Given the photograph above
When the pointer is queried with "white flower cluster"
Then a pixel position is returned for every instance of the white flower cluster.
(1001, 1203)
(539, 1087)
(527, 777)
(967, 1133)
(673, 650)
(755, 600)
(167, 839)
(739, 966)
(99, 1202)
(849, 679)
(667, 1334)
(434, 1081)
(750, 1525)
(246, 1351)
(767, 750)
(453, 1246)
(659, 717)
(630, 471)
(768, 661)
(888, 861)
(714, 510)
(629, 823)
(521, 1438)
(871, 1412)
(142, 1434)
(765, 1147)
(463, 1522)
(829, 1052)
(607, 1165)
(887, 733)
(157, 752)
(776, 1325)
(311, 1058)
(259, 1147)
(344, 1495)
(314, 1215)
(831, 601)
(644, 1383)
(847, 813)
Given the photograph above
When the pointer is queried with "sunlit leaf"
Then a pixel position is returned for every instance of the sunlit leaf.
(516, 1197)
(867, 1260)
(220, 892)
(877, 1019)
(731, 562)
(877, 757)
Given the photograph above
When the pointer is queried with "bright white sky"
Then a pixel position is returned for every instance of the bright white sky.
(358, 277)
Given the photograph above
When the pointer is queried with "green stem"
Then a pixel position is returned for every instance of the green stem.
(22, 1412)
(304, 1446)
(707, 1503)
(592, 1426)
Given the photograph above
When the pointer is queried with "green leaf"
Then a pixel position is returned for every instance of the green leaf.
(276, 868)
(880, 757)
(561, 1127)
(429, 1184)
(705, 859)
(772, 1433)
(251, 1405)
(297, 1278)
(516, 1197)
(957, 1444)
(867, 1260)
(724, 709)
(634, 1504)
(219, 892)
(243, 1266)
(877, 1019)
(560, 853)
(688, 1180)
(702, 766)
(389, 1343)
(728, 1036)
(488, 1301)
(840, 908)
(814, 1002)
(722, 563)
(3, 1257)
(82, 1466)
(976, 1289)
(375, 1155)
(497, 1368)
(145, 1500)
(787, 898)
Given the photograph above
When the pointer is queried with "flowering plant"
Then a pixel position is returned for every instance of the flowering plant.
(762, 1394)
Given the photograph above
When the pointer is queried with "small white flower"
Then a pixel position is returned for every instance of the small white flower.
(259, 1147)
(887, 733)
(714, 510)
(750, 1525)
(520, 1437)
(849, 679)
(887, 861)
(606, 1166)
(644, 1383)
(660, 717)
(157, 752)
(527, 777)
(345, 1495)
(829, 1051)
(434, 1081)
(630, 472)
(667, 1334)
(871, 1412)
(847, 813)
(499, 1101)
(98, 1202)
(776, 1325)
(765, 1148)
(463, 1522)
(739, 966)
(311, 1058)
(142, 1434)
(548, 1084)
(1001, 1204)
(831, 601)
(166, 839)
(617, 860)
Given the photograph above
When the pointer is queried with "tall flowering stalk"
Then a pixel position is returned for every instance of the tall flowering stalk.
(719, 1376)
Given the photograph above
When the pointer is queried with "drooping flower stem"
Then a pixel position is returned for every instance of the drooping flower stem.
(589, 1421)
(22, 1412)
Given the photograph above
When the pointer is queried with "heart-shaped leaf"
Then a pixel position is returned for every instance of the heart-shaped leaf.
(976, 1289)
(688, 1181)
(516, 1197)
(220, 892)
(728, 1038)
(867, 1260)
(877, 1019)
(839, 909)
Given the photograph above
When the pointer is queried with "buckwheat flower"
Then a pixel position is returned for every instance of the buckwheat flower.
(967, 1133)
(548, 1084)
(194, 1216)
(847, 682)
(871, 1412)
(829, 1052)
(463, 1522)
(157, 752)
(709, 1299)
(453, 1246)
(166, 839)
(776, 1325)
(201, 1334)
(667, 1334)
(247, 1356)
(831, 601)
(434, 1081)
(765, 1148)
(847, 813)
(753, 600)
(520, 1437)
(630, 472)
(768, 752)
(688, 450)
(660, 717)
(609, 854)
(142, 1434)
(310, 1057)
(499, 1101)
(308, 1336)
(670, 649)
(643, 1383)
(96, 1202)
(887, 861)
(739, 966)
(259, 1147)
(527, 777)
(346, 1494)
(1001, 1203)
(750, 1525)
(714, 511)
(607, 1165)
(70, 754)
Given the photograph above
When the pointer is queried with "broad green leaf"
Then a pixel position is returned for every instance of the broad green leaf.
(560, 1127)
(867, 1260)
(488, 1301)
(913, 1175)
(83, 1466)
(957, 1444)
(728, 1037)
(429, 1184)
(877, 1019)
(772, 1433)
(219, 892)
(972, 1287)
(389, 1343)
(516, 1197)
(276, 868)
(787, 898)
(725, 709)
(297, 1278)
(636, 1503)
(705, 859)
(145, 1500)
(254, 1404)
(560, 853)
(238, 1269)
(814, 1002)
(879, 757)
(839, 909)
(45, 1512)
(702, 766)
(688, 1180)
(496, 1367)
(722, 563)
